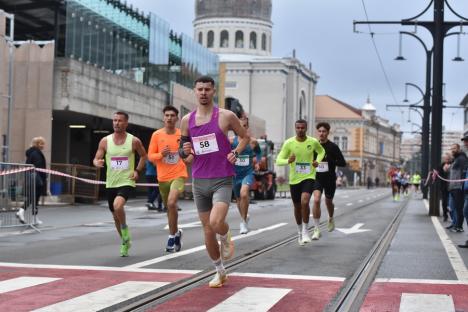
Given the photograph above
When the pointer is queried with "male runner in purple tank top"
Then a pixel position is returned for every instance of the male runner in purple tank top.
(204, 134)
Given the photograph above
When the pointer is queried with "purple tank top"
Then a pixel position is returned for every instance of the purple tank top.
(211, 147)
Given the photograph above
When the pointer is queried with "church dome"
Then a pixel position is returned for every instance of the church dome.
(252, 9)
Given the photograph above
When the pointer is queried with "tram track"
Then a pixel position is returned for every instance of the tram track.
(348, 296)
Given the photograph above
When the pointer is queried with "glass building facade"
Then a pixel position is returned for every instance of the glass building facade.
(110, 35)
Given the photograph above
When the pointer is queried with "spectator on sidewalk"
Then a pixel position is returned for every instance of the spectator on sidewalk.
(153, 191)
(457, 170)
(443, 187)
(34, 156)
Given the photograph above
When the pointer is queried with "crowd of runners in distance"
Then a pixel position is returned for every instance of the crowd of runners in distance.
(401, 182)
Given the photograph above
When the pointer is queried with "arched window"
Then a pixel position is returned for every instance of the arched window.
(263, 42)
(239, 39)
(224, 39)
(210, 42)
(253, 40)
(200, 38)
(302, 107)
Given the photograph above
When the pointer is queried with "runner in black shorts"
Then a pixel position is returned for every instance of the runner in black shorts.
(326, 178)
(122, 191)
(298, 153)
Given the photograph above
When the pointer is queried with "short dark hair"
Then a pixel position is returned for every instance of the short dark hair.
(204, 79)
(326, 125)
(301, 121)
(122, 113)
(171, 108)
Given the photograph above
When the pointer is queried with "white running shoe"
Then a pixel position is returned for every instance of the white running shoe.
(316, 234)
(299, 239)
(218, 280)
(37, 221)
(244, 227)
(227, 247)
(306, 237)
(331, 224)
(20, 215)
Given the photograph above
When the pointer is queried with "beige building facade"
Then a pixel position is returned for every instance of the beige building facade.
(370, 144)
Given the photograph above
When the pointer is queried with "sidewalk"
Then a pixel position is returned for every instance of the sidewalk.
(60, 216)
(422, 268)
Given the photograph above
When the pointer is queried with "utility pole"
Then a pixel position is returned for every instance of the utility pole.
(439, 29)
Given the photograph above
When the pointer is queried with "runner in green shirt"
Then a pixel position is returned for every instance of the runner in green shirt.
(298, 152)
(117, 152)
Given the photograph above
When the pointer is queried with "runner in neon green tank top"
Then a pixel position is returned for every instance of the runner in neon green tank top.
(119, 149)
(298, 152)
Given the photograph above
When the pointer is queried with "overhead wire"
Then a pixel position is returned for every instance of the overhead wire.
(382, 67)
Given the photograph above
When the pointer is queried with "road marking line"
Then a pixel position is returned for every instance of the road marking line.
(349, 204)
(202, 247)
(426, 303)
(456, 260)
(95, 268)
(287, 276)
(24, 282)
(420, 281)
(252, 299)
(103, 298)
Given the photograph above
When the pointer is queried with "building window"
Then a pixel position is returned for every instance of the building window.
(382, 148)
(253, 40)
(344, 143)
(230, 84)
(184, 110)
(210, 42)
(239, 39)
(200, 38)
(264, 42)
(336, 140)
(224, 39)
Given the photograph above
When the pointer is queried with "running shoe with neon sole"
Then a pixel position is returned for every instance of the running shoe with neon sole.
(126, 242)
(316, 235)
(299, 239)
(124, 250)
(227, 247)
(178, 241)
(331, 225)
(218, 280)
(306, 237)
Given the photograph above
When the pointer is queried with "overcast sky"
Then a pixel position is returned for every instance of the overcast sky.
(321, 31)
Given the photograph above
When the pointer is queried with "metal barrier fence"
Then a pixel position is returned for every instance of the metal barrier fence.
(17, 191)
(68, 190)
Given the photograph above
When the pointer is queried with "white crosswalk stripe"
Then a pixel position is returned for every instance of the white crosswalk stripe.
(103, 298)
(257, 299)
(426, 302)
(23, 282)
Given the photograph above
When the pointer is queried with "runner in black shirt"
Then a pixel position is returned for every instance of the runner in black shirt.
(326, 178)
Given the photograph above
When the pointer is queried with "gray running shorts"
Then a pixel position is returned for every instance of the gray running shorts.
(206, 192)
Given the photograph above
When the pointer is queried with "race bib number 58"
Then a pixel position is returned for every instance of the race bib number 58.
(205, 144)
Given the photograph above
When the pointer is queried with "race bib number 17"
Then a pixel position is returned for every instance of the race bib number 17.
(205, 144)
(119, 162)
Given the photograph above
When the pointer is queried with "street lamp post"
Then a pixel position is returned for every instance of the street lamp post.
(438, 28)
(426, 109)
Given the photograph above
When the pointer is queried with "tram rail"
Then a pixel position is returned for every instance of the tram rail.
(348, 299)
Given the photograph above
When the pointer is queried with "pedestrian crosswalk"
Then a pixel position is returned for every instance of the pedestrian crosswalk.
(83, 290)
(88, 289)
